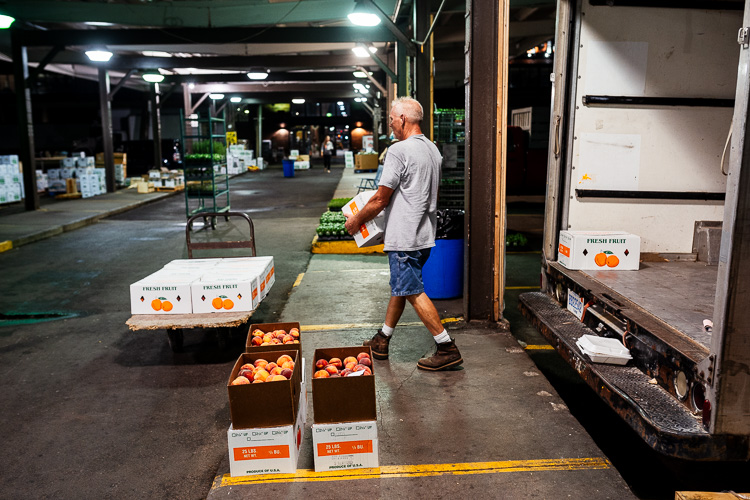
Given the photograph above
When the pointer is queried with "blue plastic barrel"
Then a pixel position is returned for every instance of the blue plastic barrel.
(288, 167)
(443, 273)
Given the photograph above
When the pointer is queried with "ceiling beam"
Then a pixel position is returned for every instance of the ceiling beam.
(318, 76)
(112, 37)
(251, 88)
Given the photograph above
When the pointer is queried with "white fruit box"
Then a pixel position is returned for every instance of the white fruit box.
(267, 450)
(191, 264)
(604, 350)
(345, 446)
(599, 250)
(217, 292)
(264, 264)
(372, 232)
(163, 292)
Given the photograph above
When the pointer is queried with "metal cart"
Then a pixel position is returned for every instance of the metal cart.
(174, 324)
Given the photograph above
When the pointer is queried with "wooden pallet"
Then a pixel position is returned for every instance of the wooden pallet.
(68, 196)
(181, 187)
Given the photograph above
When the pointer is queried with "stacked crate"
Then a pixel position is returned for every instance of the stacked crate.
(449, 134)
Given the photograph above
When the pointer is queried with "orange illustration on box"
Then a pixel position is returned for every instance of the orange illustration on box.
(606, 258)
(222, 303)
(161, 304)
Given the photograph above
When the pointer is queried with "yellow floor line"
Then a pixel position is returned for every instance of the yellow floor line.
(539, 348)
(535, 287)
(299, 279)
(5, 246)
(347, 326)
(399, 471)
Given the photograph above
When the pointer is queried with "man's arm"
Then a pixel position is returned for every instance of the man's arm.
(374, 206)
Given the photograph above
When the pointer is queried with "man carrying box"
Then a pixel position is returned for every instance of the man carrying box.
(408, 191)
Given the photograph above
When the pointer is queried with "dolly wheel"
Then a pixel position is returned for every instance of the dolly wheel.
(176, 338)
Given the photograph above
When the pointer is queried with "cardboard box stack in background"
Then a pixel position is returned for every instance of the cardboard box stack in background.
(344, 430)
(267, 418)
(599, 250)
(121, 162)
(239, 159)
(204, 286)
(11, 179)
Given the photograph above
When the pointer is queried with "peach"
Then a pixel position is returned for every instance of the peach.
(267, 338)
(294, 333)
(261, 375)
(258, 381)
(245, 373)
(240, 381)
(276, 371)
(295, 341)
(345, 372)
(350, 365)
(288, 364)
(260, 363)
(362, 355)
(321, 363)
(266, 343)
(335, 362)
(256, 341)
(287, 339)
(350, 359)
(365, 362)
(321, 374)
(331, 369)
(283, 359)
(274, 378)
(360, 368)
(248, 366)
(258, 333)
(287, 372)
(275, 341)
(335, 375)
(279, 334)
(270, 366)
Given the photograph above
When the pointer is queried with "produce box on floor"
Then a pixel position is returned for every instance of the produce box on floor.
(347, 398)
(269, 450)
(292, 329)
(599, 250)
(268, 403)
(372, 232)
(345, 446)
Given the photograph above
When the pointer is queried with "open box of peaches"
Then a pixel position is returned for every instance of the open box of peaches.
(264, 337)
(345, 393)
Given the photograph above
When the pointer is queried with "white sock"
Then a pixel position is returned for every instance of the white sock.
(387, 330)
(442, 337)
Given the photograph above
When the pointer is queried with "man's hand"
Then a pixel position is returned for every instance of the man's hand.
(350, 224)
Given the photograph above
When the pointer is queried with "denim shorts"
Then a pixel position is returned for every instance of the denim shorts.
(406, 272)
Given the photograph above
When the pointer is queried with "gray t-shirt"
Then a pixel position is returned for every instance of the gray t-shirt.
(412, 170)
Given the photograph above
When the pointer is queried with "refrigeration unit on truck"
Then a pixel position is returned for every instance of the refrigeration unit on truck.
(647, 138)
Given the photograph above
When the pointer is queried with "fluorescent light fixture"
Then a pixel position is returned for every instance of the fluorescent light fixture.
(236, 99)
(363, 16)
(298, 101)
(98, 23)
(216, 97)
(156, 53)
(99, 55)
(247, 111)
(340, 103)
(258, 75)
(153, 77)
(191, 85)
(360, 51)
(6, 21)
(359, 74)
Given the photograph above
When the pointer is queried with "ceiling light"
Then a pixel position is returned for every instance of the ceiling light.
(236, 99)
(156, 53)
(298, 101)
(191, 85)
(6, 21)
(247, 111)
(359, 74)
(360, 51)
(99, 55)
(363, 16)
(258, 75)
(216, 97)
(98, 23)
(153, 77)
(340, 103)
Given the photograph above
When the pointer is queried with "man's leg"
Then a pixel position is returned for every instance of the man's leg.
(446, 354)
(379, 342)
(426, 311)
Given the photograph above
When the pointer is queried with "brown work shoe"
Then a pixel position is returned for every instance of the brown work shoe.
(379, 345)
(446, 356)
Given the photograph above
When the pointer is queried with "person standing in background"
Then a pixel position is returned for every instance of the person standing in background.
(327, 153)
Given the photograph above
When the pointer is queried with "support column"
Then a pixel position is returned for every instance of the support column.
(259, 131)
(25, 123)
(486, 82)
(187, 103)
(156, 124)
(106, 110)
(423, 63)
(401, 71)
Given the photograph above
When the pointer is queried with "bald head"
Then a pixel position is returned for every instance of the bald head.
(410, 108)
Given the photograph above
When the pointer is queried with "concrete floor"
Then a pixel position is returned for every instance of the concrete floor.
(92, 410)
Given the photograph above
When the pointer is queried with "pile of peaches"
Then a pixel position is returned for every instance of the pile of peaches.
(263, 371)
(334, 367)
(275, 337)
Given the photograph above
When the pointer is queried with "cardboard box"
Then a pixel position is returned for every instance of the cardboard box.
(372, 232)
(265, 265)
(269, 327)
(599, 250)
(345, 446)
(267, 450)
(68, 162)
(231, 292)
(149, 295)
(343, 399)
(270, 404)
(366, 162)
